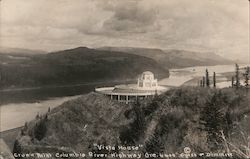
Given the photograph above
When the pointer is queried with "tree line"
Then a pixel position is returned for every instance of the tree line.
(205, 81)
(235, 80)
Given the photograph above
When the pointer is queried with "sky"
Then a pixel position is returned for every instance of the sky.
(220, 26)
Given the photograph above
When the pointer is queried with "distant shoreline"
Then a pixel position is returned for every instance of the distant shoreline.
(58, 86)
(41, 93)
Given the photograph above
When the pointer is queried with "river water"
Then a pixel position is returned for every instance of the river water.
(179, 76)
(16, 114)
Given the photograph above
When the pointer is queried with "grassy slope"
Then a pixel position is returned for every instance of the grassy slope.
(78, 65)
(77, 124)
(167, 123)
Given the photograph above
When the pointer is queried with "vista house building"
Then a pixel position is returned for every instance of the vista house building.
(146, 86)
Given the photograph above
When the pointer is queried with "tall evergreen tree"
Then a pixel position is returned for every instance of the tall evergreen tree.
(214, 80)
(136, 129)
(37, 116)
(155, 144)
(237, 76)
(212, 120)
(203, 81)
(0, 72)
(1, 76)
(25, 125)
(40, 129)
(207, 79)
(17, 148)
(232, 81)
(246, 74)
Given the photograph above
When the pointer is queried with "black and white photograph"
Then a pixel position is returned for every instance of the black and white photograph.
(124, 79)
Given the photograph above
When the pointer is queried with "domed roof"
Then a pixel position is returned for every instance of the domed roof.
(147, 73)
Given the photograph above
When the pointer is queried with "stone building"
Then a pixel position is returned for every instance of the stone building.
(146, 86)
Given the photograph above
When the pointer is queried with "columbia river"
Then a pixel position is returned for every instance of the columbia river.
(16, 114)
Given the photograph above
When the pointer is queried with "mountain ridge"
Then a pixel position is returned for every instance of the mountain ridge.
(20, 51)
(174, 58)
(73, 66)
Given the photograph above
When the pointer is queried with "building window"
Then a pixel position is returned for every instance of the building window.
(140, 84)
(147, 84)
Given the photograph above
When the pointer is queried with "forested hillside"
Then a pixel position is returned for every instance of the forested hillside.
(74, 66)
(206, 120)
(174, 58)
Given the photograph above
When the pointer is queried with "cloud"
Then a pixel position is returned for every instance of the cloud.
(211, 25)
(130, 16)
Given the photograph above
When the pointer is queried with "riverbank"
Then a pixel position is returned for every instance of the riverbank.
(220, 80)
(59, 86)
(15, 104)
(15, 114)
(38, 94)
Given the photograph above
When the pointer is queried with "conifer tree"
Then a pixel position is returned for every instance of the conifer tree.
(1, 76)
(25, 125)
(203, 81)
(22, 132)
(214, 80)
(17, 148)
(237, 78)
(37, 116)
(232, 82)
(1, 73)
(152, 106)
(246, 74)
(40, 130)
(139, 124)
(155, 144)
(212, 120)
(136, 129)
(207, 79)
(24, 129)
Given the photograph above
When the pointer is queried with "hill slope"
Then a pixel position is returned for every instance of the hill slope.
(74, 126)
(79, 65)
(20, 51)
(167, 123)
(174, 58)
